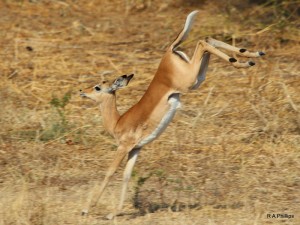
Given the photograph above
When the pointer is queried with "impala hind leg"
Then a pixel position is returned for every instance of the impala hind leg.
(240, 51)
(202, 47)
(132, 157)
(95, 195)
(202, 71)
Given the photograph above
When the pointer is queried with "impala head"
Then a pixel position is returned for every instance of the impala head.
(104, 89)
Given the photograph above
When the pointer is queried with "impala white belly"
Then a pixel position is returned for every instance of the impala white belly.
(174, 102)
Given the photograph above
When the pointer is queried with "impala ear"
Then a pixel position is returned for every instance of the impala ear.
(121, 82)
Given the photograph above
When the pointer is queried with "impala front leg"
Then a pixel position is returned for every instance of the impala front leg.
(94, 198)
(132, 157)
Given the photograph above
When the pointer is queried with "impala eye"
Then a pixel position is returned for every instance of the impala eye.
(97, 88)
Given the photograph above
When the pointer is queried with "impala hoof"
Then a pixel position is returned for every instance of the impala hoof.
(232, 60)
(261, 53)
(251, 63)
(110, 216)
(84, 212)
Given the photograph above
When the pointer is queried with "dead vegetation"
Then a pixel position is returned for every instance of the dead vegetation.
(231, 156)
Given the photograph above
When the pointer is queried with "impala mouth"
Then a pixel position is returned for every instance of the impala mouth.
(82, 94)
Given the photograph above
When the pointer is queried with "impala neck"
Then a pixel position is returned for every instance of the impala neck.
(110, 114)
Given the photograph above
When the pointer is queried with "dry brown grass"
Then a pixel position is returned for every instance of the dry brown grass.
(231, 156)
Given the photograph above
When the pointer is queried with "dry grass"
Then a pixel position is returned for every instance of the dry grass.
(231, 156)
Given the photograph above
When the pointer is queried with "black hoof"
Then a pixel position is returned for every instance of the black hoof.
(232, 60)
(242, 50)
(251, 63)
(261, 53)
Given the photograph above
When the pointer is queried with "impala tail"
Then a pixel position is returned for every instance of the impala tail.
(185, 31)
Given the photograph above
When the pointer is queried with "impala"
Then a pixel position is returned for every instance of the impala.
(148, 118)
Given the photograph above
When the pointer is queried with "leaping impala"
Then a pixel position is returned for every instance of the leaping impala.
(148, 118)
